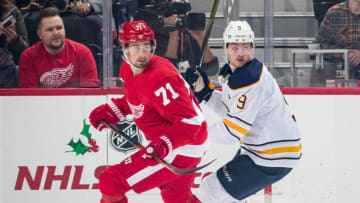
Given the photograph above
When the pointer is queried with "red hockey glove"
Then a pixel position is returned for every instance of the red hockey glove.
(161, 147)
(107, 113)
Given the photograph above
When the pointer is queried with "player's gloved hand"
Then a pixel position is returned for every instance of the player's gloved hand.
(105, 112)
(224, 72)
(161, 147)
(200, 83)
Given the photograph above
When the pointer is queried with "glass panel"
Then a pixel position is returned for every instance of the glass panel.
(180, 30)
(328, 68)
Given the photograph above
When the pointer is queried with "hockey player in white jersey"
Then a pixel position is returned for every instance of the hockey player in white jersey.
(254, 115)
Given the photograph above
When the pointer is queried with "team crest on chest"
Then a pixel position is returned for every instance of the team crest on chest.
(137, 111)
(56, 76)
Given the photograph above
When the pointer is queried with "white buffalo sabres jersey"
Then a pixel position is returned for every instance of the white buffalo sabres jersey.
(255, 114)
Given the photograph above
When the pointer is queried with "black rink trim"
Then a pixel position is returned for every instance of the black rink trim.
(292, 158)
(237, 118)
(278, 141)
(231, 132)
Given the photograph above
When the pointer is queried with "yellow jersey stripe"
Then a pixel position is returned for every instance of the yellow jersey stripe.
(281, 150)
(235, 127)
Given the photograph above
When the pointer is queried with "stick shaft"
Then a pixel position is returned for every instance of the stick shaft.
(155, 157)
(208, 31)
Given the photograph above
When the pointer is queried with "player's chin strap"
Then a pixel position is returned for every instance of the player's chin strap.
(128, 61)
(155, 157)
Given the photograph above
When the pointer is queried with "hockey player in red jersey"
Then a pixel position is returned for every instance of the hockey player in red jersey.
(168, 114)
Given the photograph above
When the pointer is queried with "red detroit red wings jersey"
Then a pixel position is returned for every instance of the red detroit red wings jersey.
(74, 66)
(162, 103)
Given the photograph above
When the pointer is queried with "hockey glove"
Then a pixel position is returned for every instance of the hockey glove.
(200, 83)
(105, 112)
(161, 147)
(225, 71)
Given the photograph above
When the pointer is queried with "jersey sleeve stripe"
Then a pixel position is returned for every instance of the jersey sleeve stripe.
(237, 118)
(196, 120)
(194, 151)
(232, 134)
(278, 158)
(141, 175)
(116, 110)
(281, 150)
(232, 125)
(272, 142)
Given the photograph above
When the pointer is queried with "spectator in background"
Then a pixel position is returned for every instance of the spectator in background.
(184, 47)
(56, 61)
(119, 13)
(321, 7)
(86, 7)
(36, 5)
(340, 29)
(179, 35)
(83, 17)
(8, 70)
(30, 10)
(13, 35)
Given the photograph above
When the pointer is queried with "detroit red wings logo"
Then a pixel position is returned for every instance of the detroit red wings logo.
(137, 111)
(56, 77)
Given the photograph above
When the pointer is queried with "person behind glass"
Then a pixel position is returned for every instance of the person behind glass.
(88, 17)
(254, 116)
(8, 70)
(86, 7)
(13, 34)
(184, 44)
(321, 6)
(154, 94)
(36, 5)
(120, 13)
(340, 30)
(30, 10)
(56, 61)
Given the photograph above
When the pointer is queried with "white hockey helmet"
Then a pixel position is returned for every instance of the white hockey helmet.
(239, 32)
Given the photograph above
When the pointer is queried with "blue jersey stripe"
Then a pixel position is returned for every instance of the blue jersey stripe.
(272, 142)
(237, 118)
(279, 158)
(227, 128)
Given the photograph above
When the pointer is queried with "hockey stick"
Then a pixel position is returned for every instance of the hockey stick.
(155, 157)
(208, 31)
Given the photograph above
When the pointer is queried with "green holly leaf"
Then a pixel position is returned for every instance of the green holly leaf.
(81, 149)
(72, 143)
(78, 147)
(85, 130)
